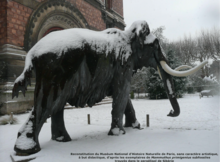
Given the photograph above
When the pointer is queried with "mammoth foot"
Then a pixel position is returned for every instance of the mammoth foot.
(65, 138)
(60, 134)
(173, 113)
(136, 124)
(26, 152)
(116, 127)
(62, 139)
(116, 131)
(25, 144)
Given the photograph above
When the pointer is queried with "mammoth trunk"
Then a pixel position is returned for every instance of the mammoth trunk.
(168, 85)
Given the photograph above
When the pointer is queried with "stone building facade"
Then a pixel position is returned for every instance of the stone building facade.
(24, 22)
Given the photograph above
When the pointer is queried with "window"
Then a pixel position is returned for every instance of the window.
(109, 25)
(108, 4)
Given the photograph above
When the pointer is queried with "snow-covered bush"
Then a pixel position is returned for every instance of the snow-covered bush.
(155, 86)
(132, 95)
(138, 81)
(197, 83)
(210, 80)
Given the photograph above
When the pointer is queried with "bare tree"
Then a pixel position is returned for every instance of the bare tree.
(204, 47)
(215, 36)
(186, 49)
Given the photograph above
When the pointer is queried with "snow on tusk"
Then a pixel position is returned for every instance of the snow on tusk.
(183, 67)
(159, 72)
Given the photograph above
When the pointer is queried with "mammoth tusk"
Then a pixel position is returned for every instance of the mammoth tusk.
(159, 72)
(181, 73)
(176, 69)
(183, 67)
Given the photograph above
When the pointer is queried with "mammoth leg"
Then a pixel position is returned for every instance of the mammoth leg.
(117, 116)
(27, 139)
(117, 121)
(169, 87)
(58, 129)
(130, 117)
(120, 97)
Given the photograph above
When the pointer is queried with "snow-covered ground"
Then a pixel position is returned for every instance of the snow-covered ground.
(194, 132)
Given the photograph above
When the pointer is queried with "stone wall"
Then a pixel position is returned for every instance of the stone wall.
(17, 19)
(117, 6)
(3, 22)
(12, 57)
(92, 14)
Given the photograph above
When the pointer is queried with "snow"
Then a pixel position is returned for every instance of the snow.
(195, 131)
(205, 91)
(103, 42)
(135, 124)
(183, 67)
(60, 138)
(23, 142)
(10, 101)
(210, 61)
(211, 79)
(77, 38)
(150, 39)
(159, 72)
(115, 131)
(169, 87)
(140, 26)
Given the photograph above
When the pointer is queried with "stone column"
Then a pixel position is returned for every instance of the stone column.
(12, 60)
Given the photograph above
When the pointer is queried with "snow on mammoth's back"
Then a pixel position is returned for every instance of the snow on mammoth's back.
(76, 38)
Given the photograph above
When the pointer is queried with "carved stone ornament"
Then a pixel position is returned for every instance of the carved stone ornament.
(52, 13)
(56, 21)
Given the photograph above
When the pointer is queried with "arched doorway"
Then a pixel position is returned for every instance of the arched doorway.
(52, 30)
(51, 16)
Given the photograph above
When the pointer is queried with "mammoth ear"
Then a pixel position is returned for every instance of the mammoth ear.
(159, 52)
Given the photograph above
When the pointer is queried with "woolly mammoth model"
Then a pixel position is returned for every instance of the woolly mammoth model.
(80, 66)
